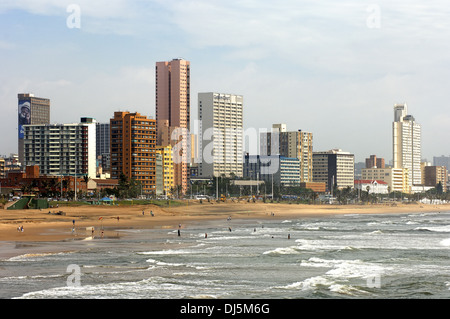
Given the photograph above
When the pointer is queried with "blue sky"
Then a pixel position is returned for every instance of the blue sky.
(331, 68)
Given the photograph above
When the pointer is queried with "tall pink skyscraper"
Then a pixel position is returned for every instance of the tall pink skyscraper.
(173, 114)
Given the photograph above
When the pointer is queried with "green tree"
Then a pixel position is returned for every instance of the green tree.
(127, 188)
(123, 186)
(439, 189)
(86, 181)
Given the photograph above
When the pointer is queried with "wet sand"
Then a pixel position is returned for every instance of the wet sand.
(77, 222)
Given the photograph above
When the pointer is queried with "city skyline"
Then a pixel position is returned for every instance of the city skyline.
(333, 70)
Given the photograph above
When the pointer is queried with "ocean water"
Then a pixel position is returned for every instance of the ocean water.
(343, 256)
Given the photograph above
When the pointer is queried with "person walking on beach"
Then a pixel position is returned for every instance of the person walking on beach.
(143, 213)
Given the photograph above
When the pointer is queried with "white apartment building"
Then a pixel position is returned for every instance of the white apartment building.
(406, 137)
(62, 149)
(221, 134)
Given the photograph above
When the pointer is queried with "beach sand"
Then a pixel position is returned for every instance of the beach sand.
(77, 222)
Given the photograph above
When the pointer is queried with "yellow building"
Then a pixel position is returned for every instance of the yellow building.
(168, 168)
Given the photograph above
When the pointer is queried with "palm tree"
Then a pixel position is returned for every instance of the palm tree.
(52, 185)
(65, 184)
(86, 181)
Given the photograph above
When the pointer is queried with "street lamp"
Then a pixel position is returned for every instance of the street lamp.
(217, 187)
(251, 187)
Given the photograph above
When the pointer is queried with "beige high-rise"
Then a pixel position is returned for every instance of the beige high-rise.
(406, 142)
(293, 144)
(173, 114)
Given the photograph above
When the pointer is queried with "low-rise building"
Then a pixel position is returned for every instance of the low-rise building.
(372, 186)
(396, 178)
(282, 170)
(435, 175)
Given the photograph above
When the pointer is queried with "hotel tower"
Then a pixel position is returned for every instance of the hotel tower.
(221, 140)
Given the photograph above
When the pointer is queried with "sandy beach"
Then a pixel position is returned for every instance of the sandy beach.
(77, 222)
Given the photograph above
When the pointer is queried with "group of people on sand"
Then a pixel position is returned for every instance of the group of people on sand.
(20, 229)
(151, 213)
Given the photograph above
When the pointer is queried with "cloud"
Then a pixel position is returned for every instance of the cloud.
(317, 65)
(102, 93)
(98, 8)
(6, 45)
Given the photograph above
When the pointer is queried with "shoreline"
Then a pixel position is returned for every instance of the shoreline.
(76, 223)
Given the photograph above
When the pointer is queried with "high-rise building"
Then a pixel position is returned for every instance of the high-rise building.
(406, 137)
(2, 168)
(167, 171)
(103, 145)
(334, 167)
(292, 144)
(159, 177)
(221, 139)
(173, 114)
(442, 161)
(375, 162)
(32, 110)
(61, 149)
(194, 149)
(435, 175)
(133, 138)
